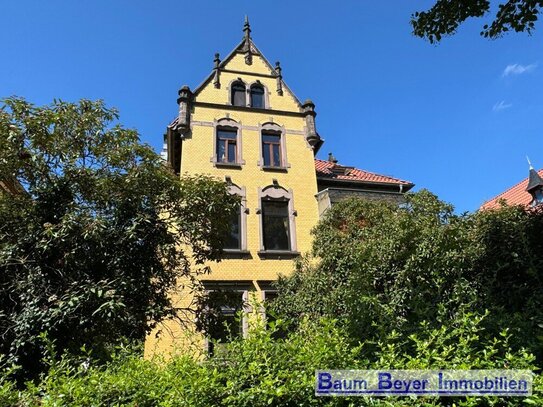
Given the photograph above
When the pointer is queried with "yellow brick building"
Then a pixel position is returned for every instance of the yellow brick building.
(245, 126)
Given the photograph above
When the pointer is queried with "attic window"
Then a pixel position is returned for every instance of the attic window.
(257, 96)
(238, 94)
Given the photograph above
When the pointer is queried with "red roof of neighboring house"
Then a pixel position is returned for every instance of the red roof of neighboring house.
(325, 170)
(516, 195)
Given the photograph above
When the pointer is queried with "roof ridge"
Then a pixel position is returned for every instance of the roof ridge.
(361, 171)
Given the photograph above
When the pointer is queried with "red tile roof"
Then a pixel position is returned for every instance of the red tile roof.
(516, 195)
(324, 170)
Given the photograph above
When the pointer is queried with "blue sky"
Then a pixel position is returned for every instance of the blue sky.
(457, 118)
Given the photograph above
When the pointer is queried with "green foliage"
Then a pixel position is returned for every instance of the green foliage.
(262, 371)
(383, 268)
(92, 246)
(444, 17)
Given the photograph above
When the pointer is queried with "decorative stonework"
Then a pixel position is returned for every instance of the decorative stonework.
(184, 100)
(241, 192)
(217, 72)
(279, 77)
(277, 192)
(311, 136)
(279, 130)
(231, 124)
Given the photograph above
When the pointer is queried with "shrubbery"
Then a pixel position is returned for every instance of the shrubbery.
(380, 268)
(263, 371)
(90, 247)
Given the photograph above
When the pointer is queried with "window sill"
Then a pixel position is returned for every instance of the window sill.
(276, 169)
(227, 165)
(236, 253)
(278, 254)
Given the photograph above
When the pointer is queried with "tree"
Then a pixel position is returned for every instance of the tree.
(446, 15)
(93, 244)
(383, 268)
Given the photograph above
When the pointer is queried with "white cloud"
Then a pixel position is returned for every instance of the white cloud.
(501, 106)
(518, 69)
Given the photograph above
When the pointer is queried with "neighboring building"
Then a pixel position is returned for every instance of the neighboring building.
(244, 125)
(336, 182)
(528, 192)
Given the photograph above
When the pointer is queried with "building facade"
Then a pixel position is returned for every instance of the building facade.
(245, 126)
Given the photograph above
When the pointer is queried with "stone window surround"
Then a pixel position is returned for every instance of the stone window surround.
(234, 189)
(247, 308)
(276, 192)
(277, 129)
(248, 92)
(228, 124)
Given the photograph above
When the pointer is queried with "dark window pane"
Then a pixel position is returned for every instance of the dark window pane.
(271, 149)
(231, 152)
(266, 154)
(276, 155)
(271, 138)
(238, 94)
(227, 134)
(221, 150)
(275, 225)
(257, 96)
(234, 239)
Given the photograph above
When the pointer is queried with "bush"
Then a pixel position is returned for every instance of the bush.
(263, 371)
(380, 268)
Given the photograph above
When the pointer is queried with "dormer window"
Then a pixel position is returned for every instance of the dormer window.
(238, 94)
(257, 96)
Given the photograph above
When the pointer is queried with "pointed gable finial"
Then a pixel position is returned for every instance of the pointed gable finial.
(279, 78)
(247, 42)
(529, 162)
(216, 70)
(247, 28)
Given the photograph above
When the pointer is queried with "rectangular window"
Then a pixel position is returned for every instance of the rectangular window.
(271, 150)
(234, 238)
(227, 146)
(275, 225)
(269, 297)
(226, 322)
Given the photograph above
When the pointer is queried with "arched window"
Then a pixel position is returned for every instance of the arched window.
(237, 239)
(238, 94)
(273, 152)
(257, 96)
(227, 145)
(277, 227)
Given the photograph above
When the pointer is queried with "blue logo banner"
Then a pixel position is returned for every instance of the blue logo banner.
(506, 382)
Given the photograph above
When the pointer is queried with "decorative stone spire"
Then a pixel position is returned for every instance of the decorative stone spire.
(247, 44)
(184, 100)
(216, 76)
(311, 135)
(247, 28)
(279, 77)
(535, 185)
